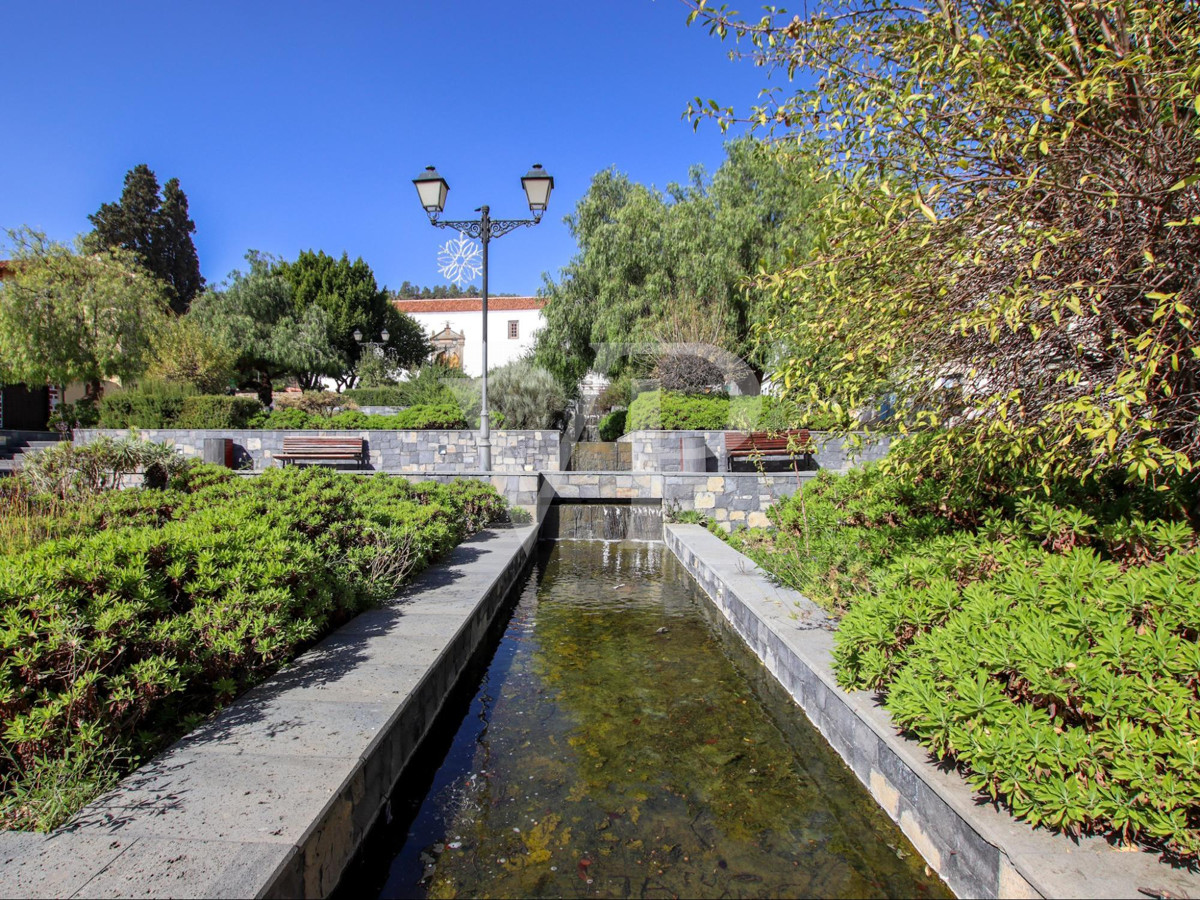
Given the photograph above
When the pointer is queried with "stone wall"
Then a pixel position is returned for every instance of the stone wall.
(662, 451)
(728, 498)
(427, 452)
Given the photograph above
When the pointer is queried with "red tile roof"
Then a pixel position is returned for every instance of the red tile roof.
(468, 304)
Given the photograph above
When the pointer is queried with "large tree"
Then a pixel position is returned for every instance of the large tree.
(1011, 244)
(157, 229)
(69, 316)
(349, 298)
(651, 264)
(255, 314)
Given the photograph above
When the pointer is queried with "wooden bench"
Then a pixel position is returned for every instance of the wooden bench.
(302, 447)
(797, 442)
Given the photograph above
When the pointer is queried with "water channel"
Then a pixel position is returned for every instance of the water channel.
(620, 741)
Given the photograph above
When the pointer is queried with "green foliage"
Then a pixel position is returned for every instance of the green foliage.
(317, 403)
(68, 470)
(668, 411)
(150, 404)
(158, 231)
(254, 313)
(188, 353)
(389, 395)
(348, 297)
(1048, 648)
(165, 404)
(645, 255)
(424, 417)
(526, 396)
(67, 316)
(159, 606)
(994, 214)
(218, 411)
(612, 426)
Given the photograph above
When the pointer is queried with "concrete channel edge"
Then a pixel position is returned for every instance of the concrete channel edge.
(274, 795)
(977, 849)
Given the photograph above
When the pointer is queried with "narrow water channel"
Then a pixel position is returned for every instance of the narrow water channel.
(623, 743)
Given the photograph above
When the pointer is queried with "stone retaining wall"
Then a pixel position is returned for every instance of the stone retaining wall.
(729, 498)
(662, 451)
(388, 451)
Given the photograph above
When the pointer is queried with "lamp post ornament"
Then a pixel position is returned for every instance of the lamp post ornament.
(460, 258)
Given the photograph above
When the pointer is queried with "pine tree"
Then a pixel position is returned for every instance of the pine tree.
(157, 229)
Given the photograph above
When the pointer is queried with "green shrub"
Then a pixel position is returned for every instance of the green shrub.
(68, 470)
(767, 413)
(393, 395)
(612, 426)
(288, 418)
(218, 411)
(431, 417)
(654, 410)
(526, 396)
(315, 403)
(160, 606)
(1049, 649)
(443, 415)
(152, 404)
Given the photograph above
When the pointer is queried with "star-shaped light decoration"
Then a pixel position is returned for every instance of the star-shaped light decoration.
(460, 260)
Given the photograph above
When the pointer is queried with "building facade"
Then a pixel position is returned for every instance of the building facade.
(455, 328)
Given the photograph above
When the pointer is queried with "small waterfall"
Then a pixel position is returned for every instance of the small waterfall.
(603, 522)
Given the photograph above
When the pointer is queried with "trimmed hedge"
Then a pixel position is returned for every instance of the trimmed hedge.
(175, 406)
(381, 396)
(431, 417)
(669, 411)
(156, 607)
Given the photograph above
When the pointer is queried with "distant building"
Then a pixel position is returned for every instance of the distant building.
(455, 328)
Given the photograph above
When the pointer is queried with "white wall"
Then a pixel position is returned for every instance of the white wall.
(501, 348)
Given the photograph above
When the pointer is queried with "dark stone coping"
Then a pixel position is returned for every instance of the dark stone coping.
(979, 849)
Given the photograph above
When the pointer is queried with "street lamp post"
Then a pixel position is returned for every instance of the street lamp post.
(432, 189)
(383, 339)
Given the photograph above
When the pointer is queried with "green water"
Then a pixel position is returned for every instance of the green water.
(624, 743)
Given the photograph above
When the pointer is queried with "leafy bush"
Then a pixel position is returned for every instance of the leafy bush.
(393, 395)
(164, 404)
(83, 413)
(160, 606)
(526, 396)
(218, 411)
(443, 416)
(612, 426)
(1049, 649)
(315, 403)
(767, 413)
(664, 410)
(151, 404)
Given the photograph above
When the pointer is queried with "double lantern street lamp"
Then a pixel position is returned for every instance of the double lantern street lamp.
(432, 189)
(383, 339)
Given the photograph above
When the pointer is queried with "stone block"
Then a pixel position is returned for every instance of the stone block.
(757, 520)
(716, 483)
(705, 500)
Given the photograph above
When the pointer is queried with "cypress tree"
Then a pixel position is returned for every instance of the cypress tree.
(157, 229)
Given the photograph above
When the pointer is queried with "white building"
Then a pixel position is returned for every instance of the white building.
(456, 328)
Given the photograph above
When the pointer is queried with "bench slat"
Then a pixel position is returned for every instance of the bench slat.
(316, 447)
(761, 442)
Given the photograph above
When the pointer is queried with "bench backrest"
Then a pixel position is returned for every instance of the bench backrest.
(301, 444)
(765, 442)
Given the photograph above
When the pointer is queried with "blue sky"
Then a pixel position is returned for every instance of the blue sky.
(300, 125)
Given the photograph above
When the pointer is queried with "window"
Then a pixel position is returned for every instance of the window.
(514, 330)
